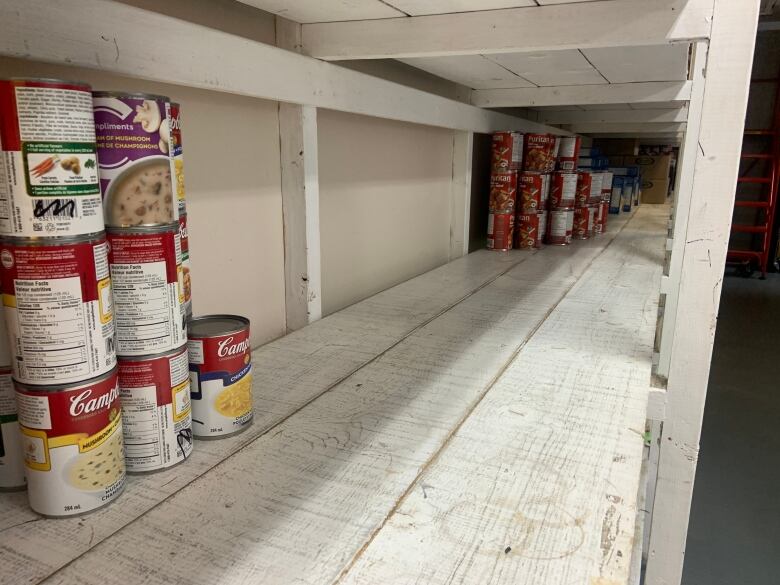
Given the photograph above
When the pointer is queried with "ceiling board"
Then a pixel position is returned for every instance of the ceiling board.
(474, 71)
(423, 7)
(557, 108)
(606, 107)
(649, 63)
(657, 105)
(551, 68)
(310, 11)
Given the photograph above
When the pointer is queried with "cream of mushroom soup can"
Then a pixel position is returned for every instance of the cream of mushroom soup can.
(72, 443)
(146, 276)
(220, 375)
(58, 308)
(49, 184)
(11, 461)
(156, 413)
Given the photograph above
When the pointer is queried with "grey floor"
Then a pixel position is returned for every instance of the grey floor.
(734, 534)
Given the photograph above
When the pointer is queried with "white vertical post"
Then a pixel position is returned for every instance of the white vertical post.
(460, 198)
(300, 200)
(717, 151)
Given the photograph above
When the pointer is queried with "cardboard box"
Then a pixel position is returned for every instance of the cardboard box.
(620, 160)
(653, 167)
(618, 146)
(654, 190)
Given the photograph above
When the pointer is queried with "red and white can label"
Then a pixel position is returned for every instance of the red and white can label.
(49, 183)
(72, 445)
(595, 219)
(177, 159)
(540, 152)
(563, 190)
(561, 225)
(507, 151)
(568, 153)
(584, 181)
(581, 228)
(596, 181)
(534, 190)
(606, 186)
(529, 232)
(184, 239)
(11, 459)
(500, 231)
(221, 384)
(156, 413)
(503, 191)
(604, 215)
(58, 307)
(148, 295)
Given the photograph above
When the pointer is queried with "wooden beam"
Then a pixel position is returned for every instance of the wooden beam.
(539, 28)
(460, 198)
(573, 95)
(628, 128)
(717, 154)
(613, 116)
(117, 38)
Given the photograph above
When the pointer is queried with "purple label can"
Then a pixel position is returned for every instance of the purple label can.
(133, 144)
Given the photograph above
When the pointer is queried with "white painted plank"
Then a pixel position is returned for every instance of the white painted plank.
(595, 107)
(540, 28)
(717, 149)
(648, 63)
(297, 503)
(616, 93)
(627, 128)
(540, 483)
(327, 10)
(460, 198)
(475, 71)
(551, 68)
(115, 37)
(657, 105)
(423, 7)
(615, 116)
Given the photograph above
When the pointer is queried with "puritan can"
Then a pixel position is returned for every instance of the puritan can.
(501, 226)
(58, 308)
(584, 181)
(568, 153)
(146, 277)
(559, 230)
(186, 280)
(503, 191)
(533, 191)
(595, 219)
(581, 227)
(156, 413)
(528, 232)
(220, 375)
(507, 151)
(596, 180)
(11, 460)
(133, 145)
(48, 166)
(72, 443)
(177, 158)
(539, 155)
(563, 190)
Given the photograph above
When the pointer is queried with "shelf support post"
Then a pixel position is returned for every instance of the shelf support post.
(460, 198)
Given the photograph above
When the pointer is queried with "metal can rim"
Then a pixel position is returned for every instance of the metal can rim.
(204, 318)
(131, 95)
(138, 230)
(52, 240)
(54, 388)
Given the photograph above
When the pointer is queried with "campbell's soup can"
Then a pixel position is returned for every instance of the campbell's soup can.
(584, 181)
(156, 412)
(596, 181)
(595, 219)
(72, 443)
(133, 145)
(507, 151)
(533, 192)
(560, 227)
(604, 215)
(177, 158)
(11, 458)
(146, 276)
(528, 232)
(500, 232)
(568, 153)
(540, 152)
(48, 164)
(503, 190)
(186, 280)
(220, 375)
(606, 186)
(58, 308)
(563, 190)
(581, 227)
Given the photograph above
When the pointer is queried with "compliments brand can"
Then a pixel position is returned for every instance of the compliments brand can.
(72, 444)
(186, 280)
(48, 166)
(534, 191)
(559, 230)
(507, 151)
(146, 273)
(581, 226)
(501, 227)
(568, 153)
(220, 375)
(503, 191)
(539, 153)
(58, 307)
(529, 230)
(563, 190)
(177, 158)
(11, 459)
(156, 414)
(133, 145)
(584, 181)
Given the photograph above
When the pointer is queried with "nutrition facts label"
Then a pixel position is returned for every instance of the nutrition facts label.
(62, 115)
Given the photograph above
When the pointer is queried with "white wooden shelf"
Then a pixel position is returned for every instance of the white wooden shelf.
(495, 402)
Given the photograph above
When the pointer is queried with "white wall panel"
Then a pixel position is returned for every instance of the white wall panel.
(649, 63)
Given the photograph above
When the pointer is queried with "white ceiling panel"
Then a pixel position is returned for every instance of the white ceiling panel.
(629, 64)
(557, 108)
(606, 107)
(551, 68)
(657, 105)
(308, 11)
(422, 7)
(474, 71)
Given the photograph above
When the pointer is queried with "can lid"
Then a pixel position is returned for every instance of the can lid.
(56, 80)
(210, 325)
(52, 240)
(50, 388)
(131, 95)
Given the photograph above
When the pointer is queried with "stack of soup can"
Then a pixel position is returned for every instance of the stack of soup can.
(563, 192)
(534, 189)
(57, 298)
(506, 160)
(145, 259)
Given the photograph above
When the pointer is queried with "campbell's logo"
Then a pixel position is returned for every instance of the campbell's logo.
(85, 404)
(7, 258)
(226, 347)
(183, 233)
